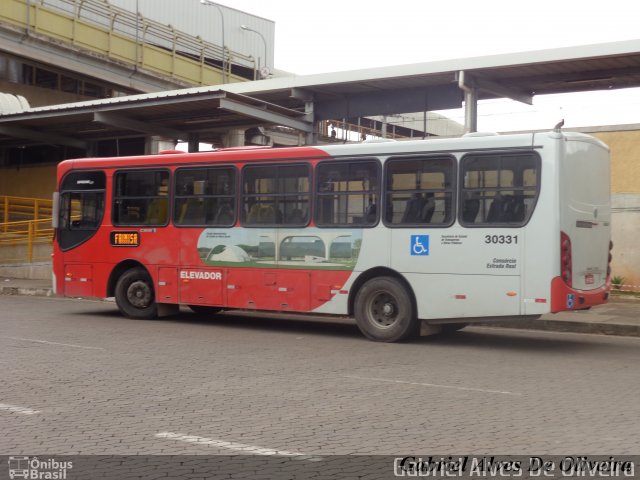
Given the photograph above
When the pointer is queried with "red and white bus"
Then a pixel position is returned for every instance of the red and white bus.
(407, 237)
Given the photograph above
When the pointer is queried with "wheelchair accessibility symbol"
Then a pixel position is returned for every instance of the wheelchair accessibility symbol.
(571, 300)
(420, 245)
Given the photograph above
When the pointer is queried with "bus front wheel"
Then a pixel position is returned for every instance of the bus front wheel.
(384, 311)
(135, 296)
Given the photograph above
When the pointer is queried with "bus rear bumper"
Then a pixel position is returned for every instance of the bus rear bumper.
(564, 298)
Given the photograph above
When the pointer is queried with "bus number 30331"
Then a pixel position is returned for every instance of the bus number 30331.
(501, 239)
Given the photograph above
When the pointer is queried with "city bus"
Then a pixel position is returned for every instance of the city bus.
(409, 237)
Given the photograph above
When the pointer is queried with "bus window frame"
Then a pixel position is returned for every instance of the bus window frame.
(144, 170)
(452, 190)
(462, 190)
(234, 197)
(378, 191)
(241, 195)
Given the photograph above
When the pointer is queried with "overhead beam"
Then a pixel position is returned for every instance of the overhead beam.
(264, 115)
(389, 102)
(42, 137)
(119, 121)
(472, 81)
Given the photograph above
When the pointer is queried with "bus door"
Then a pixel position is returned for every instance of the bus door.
(199, 281)
(203, 211)
(275, 200)
(81, 210)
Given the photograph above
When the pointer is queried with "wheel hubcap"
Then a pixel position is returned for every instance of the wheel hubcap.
(383, 310)
(139, 294)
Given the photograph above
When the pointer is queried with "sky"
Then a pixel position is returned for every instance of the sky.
(334, 35)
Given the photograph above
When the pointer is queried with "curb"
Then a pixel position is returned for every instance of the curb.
(597, 328)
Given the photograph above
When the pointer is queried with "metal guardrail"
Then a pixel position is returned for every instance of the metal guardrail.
(339, 130)
(121, 35)
(14, 209)
(25, 223)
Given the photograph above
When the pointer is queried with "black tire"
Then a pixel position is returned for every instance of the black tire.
(453, 327)
(135, 296)
(204, 310)
(384, 311)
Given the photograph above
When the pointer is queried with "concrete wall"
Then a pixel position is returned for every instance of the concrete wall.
(40, 97)
(625, 159)
(37, 182)
(625, 200)
(34, 271)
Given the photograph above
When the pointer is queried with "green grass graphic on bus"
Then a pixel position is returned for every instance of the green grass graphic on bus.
(311, 248)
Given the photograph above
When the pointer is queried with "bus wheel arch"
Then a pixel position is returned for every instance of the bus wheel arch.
(117, 272)
(380, 296)
(135, 294)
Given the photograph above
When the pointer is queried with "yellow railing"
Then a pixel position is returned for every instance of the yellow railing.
(101, 28)
(25, 229)
(20, 241)
(14, 209)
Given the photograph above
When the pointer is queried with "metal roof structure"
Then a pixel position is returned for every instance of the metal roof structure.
(300, 101)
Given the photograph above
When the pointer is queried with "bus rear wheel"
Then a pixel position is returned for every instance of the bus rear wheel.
(135, 296)
(384, 311)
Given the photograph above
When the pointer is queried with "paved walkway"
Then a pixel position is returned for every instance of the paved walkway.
(621, 316)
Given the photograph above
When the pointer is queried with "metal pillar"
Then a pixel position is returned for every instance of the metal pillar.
(467, 85)
(311, 138)
(471, 110)
(194, 143)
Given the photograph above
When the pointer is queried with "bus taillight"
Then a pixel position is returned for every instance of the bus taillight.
(565, 258)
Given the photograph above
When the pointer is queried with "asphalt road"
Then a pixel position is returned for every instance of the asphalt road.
(77, 378)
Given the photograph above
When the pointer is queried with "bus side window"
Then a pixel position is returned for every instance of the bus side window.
(347, 193)
(141, 197)
(419, 190)
(276, 195)
(82, 201)
(506, 186)
(204, 197)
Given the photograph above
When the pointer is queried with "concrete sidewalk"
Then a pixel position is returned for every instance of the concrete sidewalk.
(621, 316)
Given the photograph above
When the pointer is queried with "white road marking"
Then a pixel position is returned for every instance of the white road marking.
(55, 343)
(435, 385)
(238, 447)
(17, 409)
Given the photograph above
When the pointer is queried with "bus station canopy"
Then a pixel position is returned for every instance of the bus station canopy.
(297, 102)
